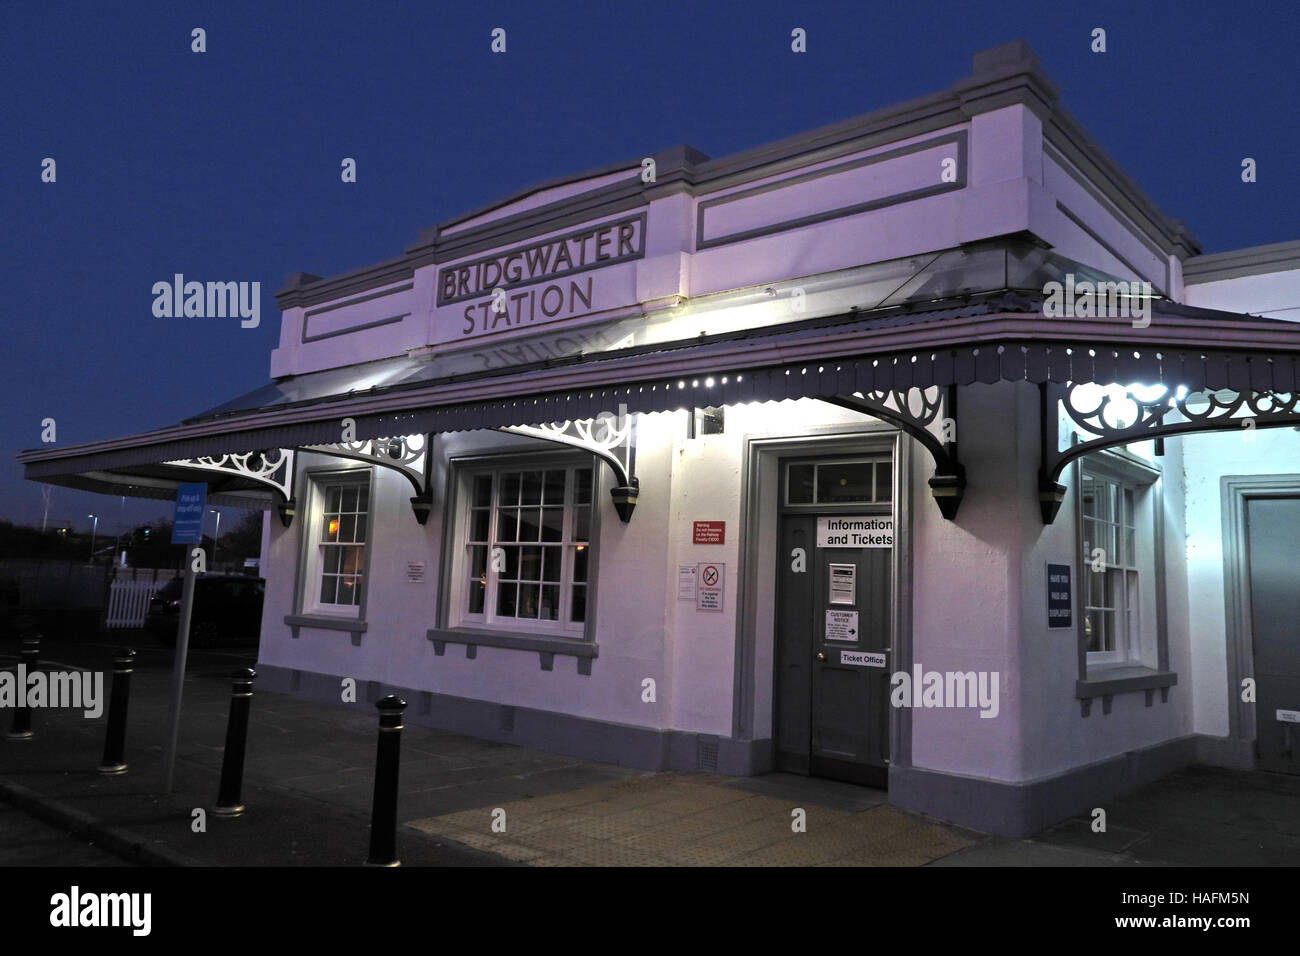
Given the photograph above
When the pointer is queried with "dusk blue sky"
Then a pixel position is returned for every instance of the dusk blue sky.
(225, 165)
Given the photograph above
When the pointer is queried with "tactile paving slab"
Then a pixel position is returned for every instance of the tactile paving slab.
(675, 819)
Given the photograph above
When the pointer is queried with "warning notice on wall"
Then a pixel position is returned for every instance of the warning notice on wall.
(841, 625)
(709, 585)
(709, 532)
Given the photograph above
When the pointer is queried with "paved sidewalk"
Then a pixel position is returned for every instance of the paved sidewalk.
(309, 778)
(308, 785)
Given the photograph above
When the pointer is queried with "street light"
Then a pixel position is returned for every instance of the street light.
(94, 529)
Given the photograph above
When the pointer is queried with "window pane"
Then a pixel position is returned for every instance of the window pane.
(352, 560)
(532, 488)
(361, 529)
(554, 491)
(582, 524)
(507, 525)
(332, 498)
(509, 488)
(580, 563)
(1110, 544)
(331, 529)
(506, 599)
(363, 498)
(348, 527)
(551, 564)
(331, 560)
(579, 603)
(482, 496)
(800, 484)
(884, 481)
(328, 583)
(530, 522)
(477, 590)
(1098, 593)
(349, 499)
(348, 591)
(478, 560)
(550, 608)
(511, 569)
(478, 525)
(582, 486)
(530, 564)
(849, 481)
(552, 524)
(1094, 630)
(528, 595)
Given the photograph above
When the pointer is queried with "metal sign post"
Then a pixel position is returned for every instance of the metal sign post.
(187, 526)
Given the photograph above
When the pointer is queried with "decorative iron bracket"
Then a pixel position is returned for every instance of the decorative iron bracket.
(611, 438)
(930, 416)
(1116, 416)
(272, 467)
(407, 454)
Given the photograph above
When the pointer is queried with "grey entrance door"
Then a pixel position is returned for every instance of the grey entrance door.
(1272, 529)
(832, 670)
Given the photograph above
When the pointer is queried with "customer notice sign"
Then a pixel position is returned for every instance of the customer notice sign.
(856, 531)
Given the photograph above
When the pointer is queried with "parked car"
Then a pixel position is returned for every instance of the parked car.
(227, 610)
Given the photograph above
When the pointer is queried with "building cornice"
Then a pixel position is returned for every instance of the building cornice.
(1007, 75)
(1253, 261)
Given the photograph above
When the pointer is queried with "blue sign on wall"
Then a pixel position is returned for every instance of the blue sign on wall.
(1059, 600)
(187, 524)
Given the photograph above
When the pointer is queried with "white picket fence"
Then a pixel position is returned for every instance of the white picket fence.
(128, 602)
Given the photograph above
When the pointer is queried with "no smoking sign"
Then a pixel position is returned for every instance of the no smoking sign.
(712, 578)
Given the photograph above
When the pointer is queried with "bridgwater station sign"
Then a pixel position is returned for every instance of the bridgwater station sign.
(557, 278)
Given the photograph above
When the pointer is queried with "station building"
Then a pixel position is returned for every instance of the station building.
(920, 450)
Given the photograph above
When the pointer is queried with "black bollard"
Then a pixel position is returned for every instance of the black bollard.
(21, 728)
(115, 739)
(383, 815)
(232, 761)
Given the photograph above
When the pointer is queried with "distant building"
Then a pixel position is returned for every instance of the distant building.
(920, 450)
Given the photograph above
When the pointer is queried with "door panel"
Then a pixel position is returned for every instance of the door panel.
(832, 716)
(850, 717)
(1272, 529)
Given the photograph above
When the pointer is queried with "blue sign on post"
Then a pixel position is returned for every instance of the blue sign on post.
(187, 524)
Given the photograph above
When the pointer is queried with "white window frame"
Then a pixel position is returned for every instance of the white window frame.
(459, 615)
(313, 547)
(1136, 536)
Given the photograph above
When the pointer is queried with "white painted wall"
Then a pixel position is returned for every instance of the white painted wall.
(1208, 459)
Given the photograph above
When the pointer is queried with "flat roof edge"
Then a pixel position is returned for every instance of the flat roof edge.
(1236, 263)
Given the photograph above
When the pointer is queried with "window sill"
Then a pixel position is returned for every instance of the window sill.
(353, 625)
(545, 646)
(1105, 681)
